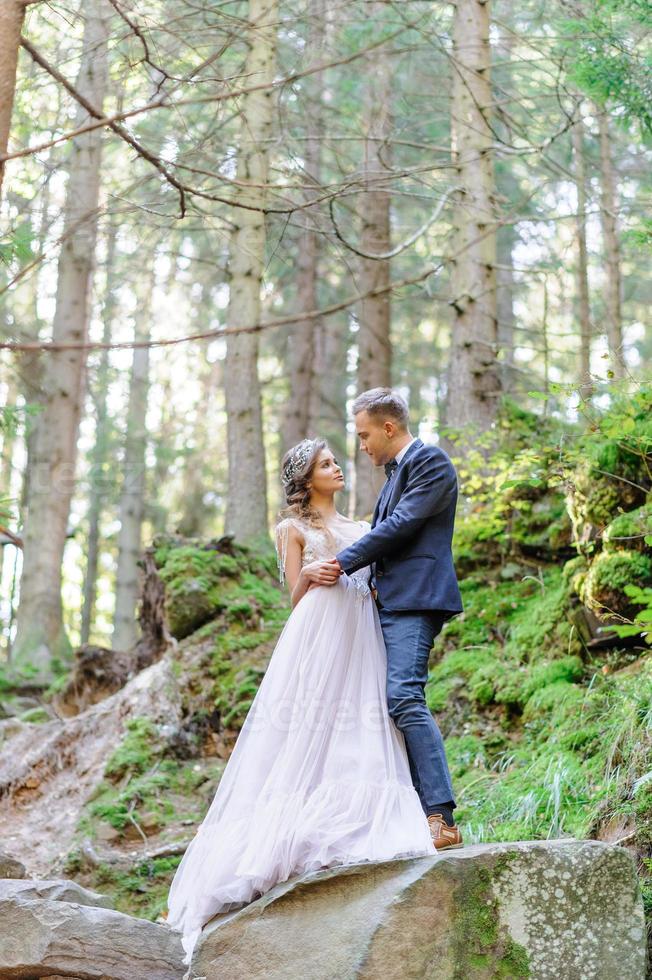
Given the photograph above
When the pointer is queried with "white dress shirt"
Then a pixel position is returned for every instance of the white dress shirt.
(399, 456)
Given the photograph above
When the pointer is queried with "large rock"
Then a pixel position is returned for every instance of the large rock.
(56, 890)
(47, 938)
(548, 910)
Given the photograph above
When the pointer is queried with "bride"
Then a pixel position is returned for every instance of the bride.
(319, 775)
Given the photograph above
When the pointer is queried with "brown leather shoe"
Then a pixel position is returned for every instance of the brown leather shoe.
(444, 837)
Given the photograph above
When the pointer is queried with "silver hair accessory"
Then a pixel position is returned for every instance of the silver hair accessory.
(297, 461)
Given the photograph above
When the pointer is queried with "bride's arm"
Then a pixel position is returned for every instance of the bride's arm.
(300, 578)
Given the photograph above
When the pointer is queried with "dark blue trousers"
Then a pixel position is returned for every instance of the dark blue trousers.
(408, 639)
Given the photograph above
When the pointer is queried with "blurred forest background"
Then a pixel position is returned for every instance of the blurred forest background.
(222, 220)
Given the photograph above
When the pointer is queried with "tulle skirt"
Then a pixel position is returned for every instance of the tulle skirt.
(319, 775)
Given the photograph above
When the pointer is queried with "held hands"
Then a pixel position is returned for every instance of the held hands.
(322, 572)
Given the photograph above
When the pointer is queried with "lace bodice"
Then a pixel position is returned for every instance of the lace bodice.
(318, 547)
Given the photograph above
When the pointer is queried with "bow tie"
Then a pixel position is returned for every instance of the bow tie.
(390, 467)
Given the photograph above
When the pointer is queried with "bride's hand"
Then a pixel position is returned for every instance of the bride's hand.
(321, 573)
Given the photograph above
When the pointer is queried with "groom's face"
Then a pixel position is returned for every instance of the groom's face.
(375, 435)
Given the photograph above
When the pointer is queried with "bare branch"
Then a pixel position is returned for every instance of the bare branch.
(97, 114)
(404, 244)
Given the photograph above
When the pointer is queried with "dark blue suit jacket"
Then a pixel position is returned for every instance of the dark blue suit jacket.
(411, 533)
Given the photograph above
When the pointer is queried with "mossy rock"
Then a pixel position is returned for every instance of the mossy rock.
(541, 526)
(592, 504)
(194, 582)
(628, 531)
(573, 574)
(603, 588)
(610, 481)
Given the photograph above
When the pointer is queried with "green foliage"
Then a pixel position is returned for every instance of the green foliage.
(640, 236)
(513, 496)
(18, 246)
(544, 737)
(607, 56)
(570, 768)
(642, 619)
(610, 467)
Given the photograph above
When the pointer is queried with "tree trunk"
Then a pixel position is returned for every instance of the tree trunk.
(301, 337)
(12, 14)
(473, 375)
(8, 436)
(246, 515)
(506, 235)
(100, 450)
(40, 634)
(611, 241)
(374, 316)
(132, 503)
(582, 268)
(506, 240)
(328, 395)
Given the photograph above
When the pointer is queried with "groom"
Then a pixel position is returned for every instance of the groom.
(409, 548)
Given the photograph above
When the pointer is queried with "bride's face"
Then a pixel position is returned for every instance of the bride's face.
(327, 476)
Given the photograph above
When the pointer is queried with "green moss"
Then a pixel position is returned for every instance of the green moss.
(164, 795)
(483, 947)
(196, 580)
(141, 779)
(438, 693)
(603, 589)
(137, 750)
(565, 670)
(146, 794)
(465, 752)
(629, 530)
(571, 569)
(142, 891)
(579, 753)
(557, 698)
(35, 716)
(234, 696)
(594, 501)
(544, 627)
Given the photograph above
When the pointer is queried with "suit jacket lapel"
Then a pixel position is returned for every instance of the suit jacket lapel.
(386, 495)
(379, 501)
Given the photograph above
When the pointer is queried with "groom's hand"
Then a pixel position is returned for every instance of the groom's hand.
(321, 572)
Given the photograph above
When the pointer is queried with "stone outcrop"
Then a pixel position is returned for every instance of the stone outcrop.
(546, 910)
(56, 890)
(10, 867)
(51, 929)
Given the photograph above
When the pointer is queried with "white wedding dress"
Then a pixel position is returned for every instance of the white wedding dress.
(319, 775)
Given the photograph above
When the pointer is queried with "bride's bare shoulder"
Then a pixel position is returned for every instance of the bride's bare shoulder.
(290, 526)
